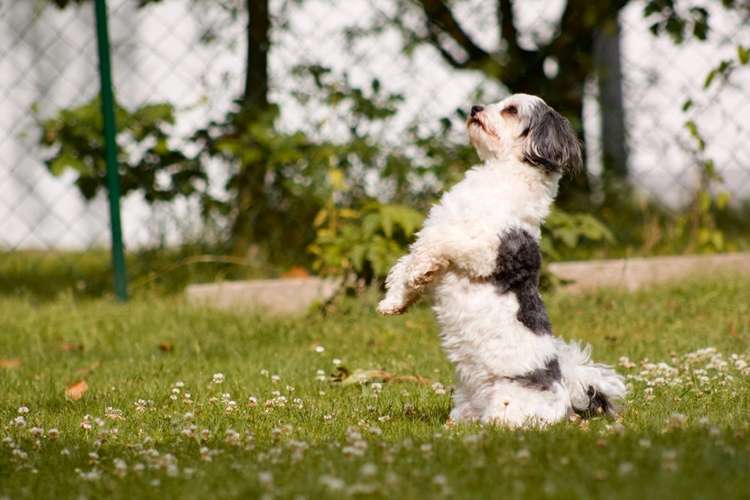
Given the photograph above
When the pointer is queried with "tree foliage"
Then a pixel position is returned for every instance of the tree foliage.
(149, 161)
(291, 190)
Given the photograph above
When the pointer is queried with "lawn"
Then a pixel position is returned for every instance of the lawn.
(192, 403)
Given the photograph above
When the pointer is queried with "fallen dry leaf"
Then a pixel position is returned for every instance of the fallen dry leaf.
(10, 363)
(166, 346)
(77, 390)
(71, 346)
(368, 376)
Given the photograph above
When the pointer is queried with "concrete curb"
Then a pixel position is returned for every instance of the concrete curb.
(280, 296)
(632, 274)
(296, 295)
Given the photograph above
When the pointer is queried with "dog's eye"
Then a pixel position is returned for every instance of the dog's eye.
(510, 110)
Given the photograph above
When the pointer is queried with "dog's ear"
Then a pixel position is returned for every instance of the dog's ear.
(551, 142)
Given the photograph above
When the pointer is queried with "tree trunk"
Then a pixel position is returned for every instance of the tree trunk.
(250, 177)
(609, 78)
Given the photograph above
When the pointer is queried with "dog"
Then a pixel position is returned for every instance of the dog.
(478, 252)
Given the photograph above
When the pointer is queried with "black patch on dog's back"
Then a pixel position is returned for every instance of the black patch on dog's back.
(541, 379)
(517, 270)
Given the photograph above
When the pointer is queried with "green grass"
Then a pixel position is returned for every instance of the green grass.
(681, 438)
(44, 275)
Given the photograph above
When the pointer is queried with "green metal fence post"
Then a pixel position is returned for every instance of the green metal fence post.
(110, 132)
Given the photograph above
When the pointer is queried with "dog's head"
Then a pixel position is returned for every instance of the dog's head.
(526, 128)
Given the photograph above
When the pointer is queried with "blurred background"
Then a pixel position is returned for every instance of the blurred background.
(266, 138)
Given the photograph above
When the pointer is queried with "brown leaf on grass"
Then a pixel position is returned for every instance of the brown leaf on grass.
(77, 390)
(88, 369)
(166, 346)
(71, 347)
(10, 363)
(732, 329)
(368, 376)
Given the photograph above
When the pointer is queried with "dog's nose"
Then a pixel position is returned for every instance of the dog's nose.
(475, 110)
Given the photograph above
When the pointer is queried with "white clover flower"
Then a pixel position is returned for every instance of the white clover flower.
(113, 413)
(275, 378)
(676, 420)
(336, 361)
(265, 478)
(179, 384)
(319, 349)
(376, 386)
(523, 455)
(141, 405)
(19, 422)
(332, 483)
(120, 467)
(92, 475)
(36, 432)
(440, 480)
(264, 372)
(327, 418)
(438, 388)
(189, 431)
(368, 470)
(232, 437)
(172, 470)
(626, 363)
(23, 410)
(218, 378)
(19, 454)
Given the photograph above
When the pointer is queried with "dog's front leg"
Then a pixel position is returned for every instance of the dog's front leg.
(398, 295)
(404, 284)
(408, 278)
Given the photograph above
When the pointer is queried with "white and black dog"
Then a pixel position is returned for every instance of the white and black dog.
(479, 252)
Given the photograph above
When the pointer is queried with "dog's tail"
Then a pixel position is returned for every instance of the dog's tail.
(594, 388)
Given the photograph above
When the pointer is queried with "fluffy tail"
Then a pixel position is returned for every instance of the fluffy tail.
(594, 388)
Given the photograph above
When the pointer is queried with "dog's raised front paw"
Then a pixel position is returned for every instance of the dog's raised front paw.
(424, 274)
(390, 307)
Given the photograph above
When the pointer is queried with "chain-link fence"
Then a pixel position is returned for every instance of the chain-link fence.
(191, 54)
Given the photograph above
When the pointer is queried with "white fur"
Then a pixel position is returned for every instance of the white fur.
(454, 255)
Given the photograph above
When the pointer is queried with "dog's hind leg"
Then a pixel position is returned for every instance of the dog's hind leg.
(594, 388)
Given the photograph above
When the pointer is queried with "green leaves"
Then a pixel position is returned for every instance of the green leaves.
(743, 54)
(74, 141)
(667, 18)
(365, 242)
(569, 229)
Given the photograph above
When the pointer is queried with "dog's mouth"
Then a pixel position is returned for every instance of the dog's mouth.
(476, 122)
(473, 121)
